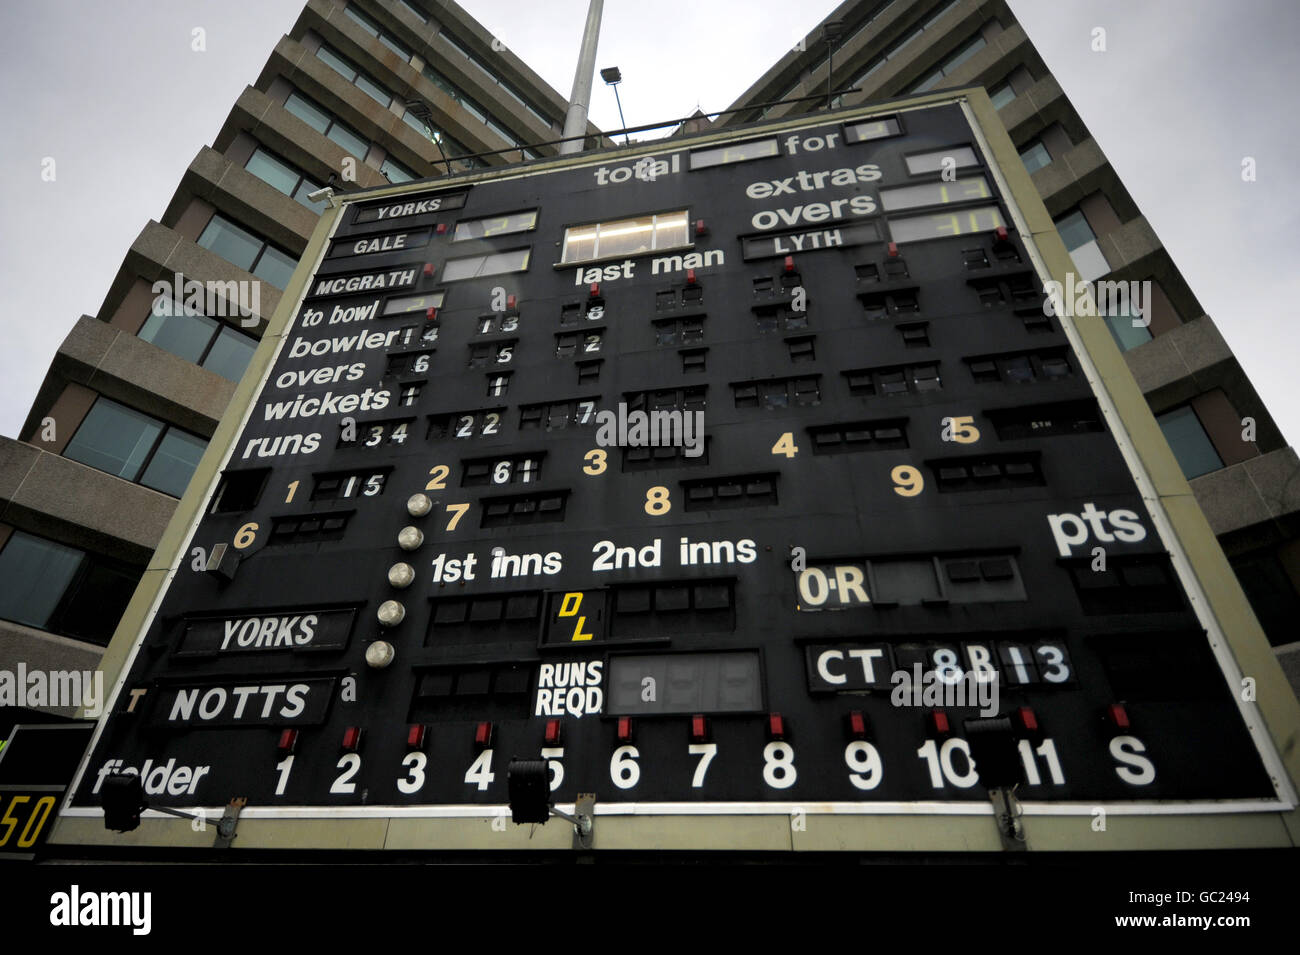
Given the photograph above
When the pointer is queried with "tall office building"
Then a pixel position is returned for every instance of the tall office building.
(350, 97)
(135, 391)
(1193, 382)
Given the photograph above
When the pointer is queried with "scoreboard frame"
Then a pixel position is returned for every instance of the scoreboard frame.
(1272, 717)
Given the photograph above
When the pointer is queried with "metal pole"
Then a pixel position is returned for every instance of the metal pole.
(621, 120)
(575, 121)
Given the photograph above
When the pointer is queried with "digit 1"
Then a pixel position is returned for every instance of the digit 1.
(293, 489)
(283, 767)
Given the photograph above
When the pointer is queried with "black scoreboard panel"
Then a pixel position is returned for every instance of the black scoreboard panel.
(456, 541)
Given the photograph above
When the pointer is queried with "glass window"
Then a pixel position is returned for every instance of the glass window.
(124, 442)
(170, 326)
(477, 266)
(1035, 156)
(1126, 334)
(625, 237)
(235, 245)
(324, 122)
(308, 112)
(1074, 230)
(1002, 94)
(230, 354)
(276, 267)
(282, 176)
(495, 225)
(373, 89)
(115, 439)
(396, 172)
(933, 161)
(354, 143)
(305, 189)
(341, 65)
(335, 62)
(95, 602)
(734, 152)
(36, 573)
(1191, 445)
(240, 247)
(173, 464)
(198, 339)
(273, 171)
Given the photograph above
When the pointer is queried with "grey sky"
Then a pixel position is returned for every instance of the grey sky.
(115, 94)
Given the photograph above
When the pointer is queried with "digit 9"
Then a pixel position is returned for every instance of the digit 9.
(908, 481)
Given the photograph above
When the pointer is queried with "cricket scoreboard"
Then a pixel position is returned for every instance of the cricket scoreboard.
(735, 477)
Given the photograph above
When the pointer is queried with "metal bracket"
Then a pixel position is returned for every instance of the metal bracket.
(226, 827)
(1006, 813)
(584, 820)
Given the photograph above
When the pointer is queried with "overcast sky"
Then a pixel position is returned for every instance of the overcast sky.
(113, 92)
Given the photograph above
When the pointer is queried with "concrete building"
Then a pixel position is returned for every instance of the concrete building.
(350, 97)
(135, 391)
(1237, 462)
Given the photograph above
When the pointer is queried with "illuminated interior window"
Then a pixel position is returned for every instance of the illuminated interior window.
(625, 237)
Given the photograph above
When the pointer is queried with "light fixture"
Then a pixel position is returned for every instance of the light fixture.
(401, 575)
(410, 538)
(613, 77)
(391, 613)
(417, 505)
(379, 654)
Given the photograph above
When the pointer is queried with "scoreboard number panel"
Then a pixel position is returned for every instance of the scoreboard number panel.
(469, 523)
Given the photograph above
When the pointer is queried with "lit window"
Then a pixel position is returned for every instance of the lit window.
(478, 266)
(934, 193)
(935, 160)
(489, 226)
(121, 441)
(1191, 445)
(872, 129)
(734, 152)
(625, 237)
(412, 303)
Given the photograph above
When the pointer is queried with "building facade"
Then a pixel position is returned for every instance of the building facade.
(1239, 466)
(351, 97)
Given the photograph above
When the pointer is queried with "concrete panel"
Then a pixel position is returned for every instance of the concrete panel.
(127, 368)
(1258, 489)
(1131, 244)
(38, 650)
(1230, 499)
(83, 507)
(1289, 657)
(239, 195)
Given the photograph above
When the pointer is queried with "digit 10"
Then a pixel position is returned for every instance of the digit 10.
(908, 481)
